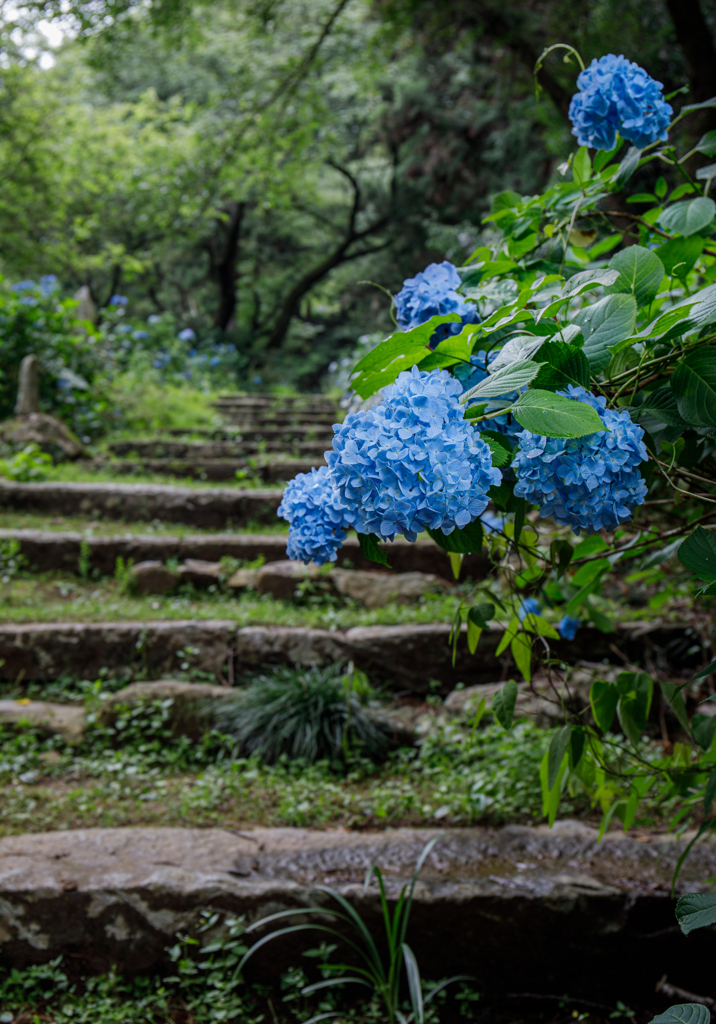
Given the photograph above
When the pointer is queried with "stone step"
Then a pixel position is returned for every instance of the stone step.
(210, 508)
(282, 435)
(237, 449)
(51, 551)
(417, 657)
(268, 471)
(521, 909)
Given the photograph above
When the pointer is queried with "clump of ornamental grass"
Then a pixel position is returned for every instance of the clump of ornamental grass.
(312, 715)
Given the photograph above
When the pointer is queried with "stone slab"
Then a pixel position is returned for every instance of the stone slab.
(236, 449)
(275, 470)
(520, 908)
(49, 550)
(64, 719)
(406, 656)
(210, 508)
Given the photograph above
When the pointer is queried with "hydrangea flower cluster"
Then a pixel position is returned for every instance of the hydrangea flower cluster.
(567, 627)
(317, 518)
(616, 95)
(413, 462)
(589, 483)
(432, 293)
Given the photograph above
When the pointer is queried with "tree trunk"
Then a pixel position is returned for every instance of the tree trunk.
(223, 269)
(694, 37)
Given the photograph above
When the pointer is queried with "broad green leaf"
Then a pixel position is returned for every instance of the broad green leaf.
(679, 255)
(518, 349)
(402, 350)
(603, 698)
(696, 910)
(603, 623)
(710, 791)
(554, 415)
(627, 167)
(513, 628)
(707, 173)
(461, 542)
(561, 365)
(587, 279)
(503, 704)
(640, 273)
(481, 614)
(604, 324)
(511, 378)
(707, 144)
(670, 323)
(581, 170)
(689, 216)
(673, 694)
(702, 312)
(684, 1013)
(577, 740)
(560, 553)
(590, 546)
(704, 730)
(521, 648)
(551, 797)
(536, 624)
(555, 755)
(371, 549)
(500, 448)
(662, 406)
(693, 383)
(589, 571)
(634, 704)
(698, 106)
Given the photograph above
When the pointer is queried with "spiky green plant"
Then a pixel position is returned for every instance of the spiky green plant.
(314, 714)
(382, 977)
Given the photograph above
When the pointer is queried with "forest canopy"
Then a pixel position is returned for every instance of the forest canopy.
(251, 167)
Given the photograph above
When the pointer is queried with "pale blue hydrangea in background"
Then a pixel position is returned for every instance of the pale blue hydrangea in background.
(567, 627)
(186, 335)
(589, 483)
(118, 300)
(433, 293)
(140, 335)
(317, 519)
(616, 95)
(413, 462)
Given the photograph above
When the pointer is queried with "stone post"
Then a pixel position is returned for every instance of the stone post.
(28, 392)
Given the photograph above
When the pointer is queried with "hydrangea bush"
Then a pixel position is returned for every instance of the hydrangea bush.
(586, 398)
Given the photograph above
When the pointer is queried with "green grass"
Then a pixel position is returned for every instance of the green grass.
(112, 527)
(139, 773)
(62, 597)
(77, 472)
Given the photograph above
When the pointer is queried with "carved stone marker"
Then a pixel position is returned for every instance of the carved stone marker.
(28, 394)
(86, 309)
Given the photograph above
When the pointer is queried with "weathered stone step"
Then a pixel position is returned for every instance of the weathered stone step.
(522, 909)
(49, 551)
(210, 508)
(412, 656)
(282, 435)
(274, 470)
(237, 449)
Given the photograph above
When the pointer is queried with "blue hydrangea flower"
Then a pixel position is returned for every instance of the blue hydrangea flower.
(186, 335)
(125, 328)
(413, 462)
(24, 286)
(528, 606)
(567, 627)
(589, 483)
(317, 518)
(140, 335)
(48, 284)
(118, 300)
(432, 293)
(616, 95)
